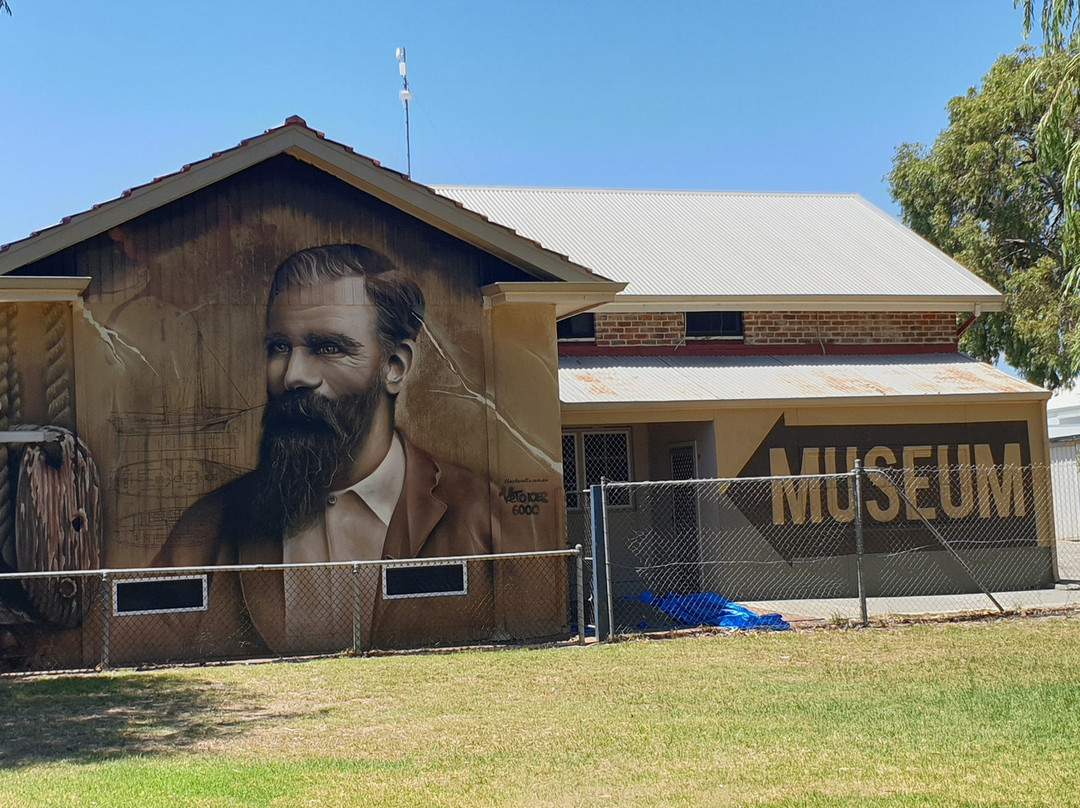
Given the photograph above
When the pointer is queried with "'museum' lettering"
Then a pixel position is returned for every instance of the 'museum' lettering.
(937, 482)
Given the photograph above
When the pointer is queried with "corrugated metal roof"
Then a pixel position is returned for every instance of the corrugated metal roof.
(679, 379)
(1064, 403)
(1064, 434)
(729, 244)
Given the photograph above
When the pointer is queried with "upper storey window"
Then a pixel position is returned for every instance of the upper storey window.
(714, 325)
(579, 328)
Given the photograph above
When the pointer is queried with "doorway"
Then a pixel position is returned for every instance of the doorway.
(686, 547)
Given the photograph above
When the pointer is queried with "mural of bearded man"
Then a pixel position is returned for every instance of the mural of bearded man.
(335, 481)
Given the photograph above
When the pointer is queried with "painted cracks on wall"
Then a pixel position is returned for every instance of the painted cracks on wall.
(111, 338)
(480, 398)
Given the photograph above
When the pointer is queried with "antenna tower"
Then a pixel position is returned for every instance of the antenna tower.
(406, 97)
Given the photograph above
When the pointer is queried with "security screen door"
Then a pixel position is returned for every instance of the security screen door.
(686, 549)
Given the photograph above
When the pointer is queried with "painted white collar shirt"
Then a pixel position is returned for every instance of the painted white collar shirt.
(354, 523)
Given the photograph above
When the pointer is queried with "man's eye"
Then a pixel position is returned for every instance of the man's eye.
(275, 348)
(328, 349)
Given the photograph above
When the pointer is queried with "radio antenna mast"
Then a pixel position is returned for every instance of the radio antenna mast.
(406, 97)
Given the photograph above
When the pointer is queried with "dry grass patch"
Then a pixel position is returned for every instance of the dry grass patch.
(978, 714)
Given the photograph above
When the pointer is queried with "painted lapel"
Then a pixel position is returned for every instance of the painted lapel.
(264, 592)
(419, 509)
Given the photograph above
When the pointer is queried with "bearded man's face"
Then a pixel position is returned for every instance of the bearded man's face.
(324, 380)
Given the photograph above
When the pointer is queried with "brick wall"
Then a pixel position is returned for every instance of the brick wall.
(655, 328)
(788, 328)
(849, 327)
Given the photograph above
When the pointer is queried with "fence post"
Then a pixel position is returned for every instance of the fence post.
(579, 564)
(106, 615)
(857, 475)
(356, 628)
(600, 575)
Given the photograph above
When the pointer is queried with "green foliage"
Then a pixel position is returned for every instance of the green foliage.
(992, 193)
(1059, 21)
(1058, 134)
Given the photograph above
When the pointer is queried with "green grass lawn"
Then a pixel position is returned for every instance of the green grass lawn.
(978, 714)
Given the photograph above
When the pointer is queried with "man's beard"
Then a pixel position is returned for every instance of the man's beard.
(307, 441)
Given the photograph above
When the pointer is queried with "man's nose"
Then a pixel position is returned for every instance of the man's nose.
(302, 371)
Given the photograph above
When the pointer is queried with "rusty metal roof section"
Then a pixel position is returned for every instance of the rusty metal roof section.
(601, 381)
(830, 249)
(295, 138)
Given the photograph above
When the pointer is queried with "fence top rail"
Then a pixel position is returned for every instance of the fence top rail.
(882, 470)
(722, 480)
(377, 562)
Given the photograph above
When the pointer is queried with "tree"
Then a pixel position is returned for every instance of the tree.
(983, 194)
(1058, 134)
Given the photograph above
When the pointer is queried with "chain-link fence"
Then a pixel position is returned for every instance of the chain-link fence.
(834, 547)
(106, 618)
(830, 547)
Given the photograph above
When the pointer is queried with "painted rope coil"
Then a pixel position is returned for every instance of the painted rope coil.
(57, 523)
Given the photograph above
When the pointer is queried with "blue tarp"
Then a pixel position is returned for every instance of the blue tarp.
(711, 609)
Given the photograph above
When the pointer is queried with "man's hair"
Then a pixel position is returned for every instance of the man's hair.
(398, 301)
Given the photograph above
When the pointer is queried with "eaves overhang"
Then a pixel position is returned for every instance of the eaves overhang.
(569, 298)
(40, 289)
(296, 139)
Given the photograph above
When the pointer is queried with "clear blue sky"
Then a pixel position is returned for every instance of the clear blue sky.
(715, 94)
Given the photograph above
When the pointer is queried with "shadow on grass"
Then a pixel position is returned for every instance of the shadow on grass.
(87, 719)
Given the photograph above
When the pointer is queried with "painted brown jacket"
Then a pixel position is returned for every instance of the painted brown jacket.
(443, 510)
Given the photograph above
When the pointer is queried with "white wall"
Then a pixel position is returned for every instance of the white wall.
(1065, 478)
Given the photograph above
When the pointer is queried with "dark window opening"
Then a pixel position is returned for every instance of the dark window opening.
(714, 324)
(425, 580)
(578, 327)
(589, 455)
(159, 595)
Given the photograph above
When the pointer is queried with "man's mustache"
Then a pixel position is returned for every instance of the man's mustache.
(299, 408)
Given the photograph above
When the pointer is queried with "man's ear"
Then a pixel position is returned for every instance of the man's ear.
(397, 367)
